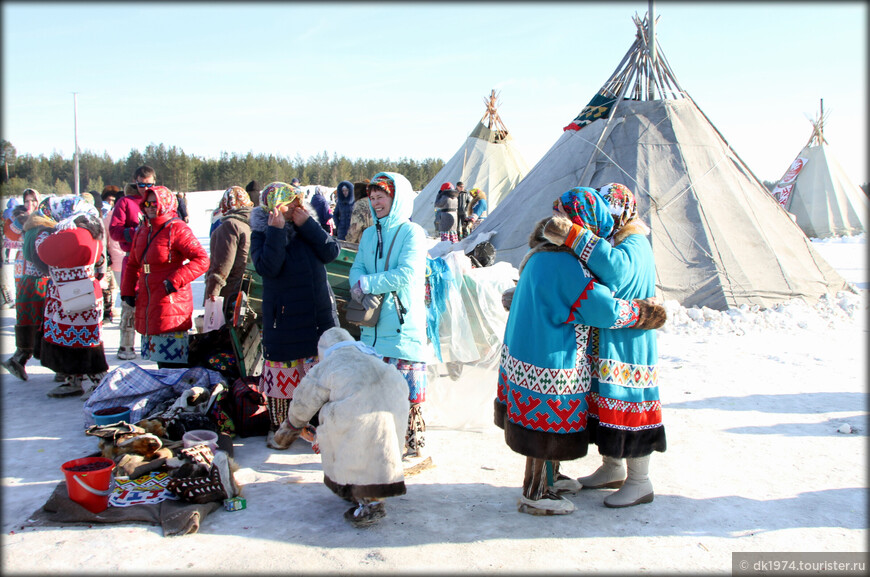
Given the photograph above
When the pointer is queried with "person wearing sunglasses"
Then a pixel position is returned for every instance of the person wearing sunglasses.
(126, 217)
(164, 260)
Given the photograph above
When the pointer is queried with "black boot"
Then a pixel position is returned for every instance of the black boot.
(15, 364)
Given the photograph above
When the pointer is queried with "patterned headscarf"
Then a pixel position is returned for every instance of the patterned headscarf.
(167, 202)
(60, 208)
(383, 182)
(584, 206)
(278, 193)
(234, 197)
(623, 206)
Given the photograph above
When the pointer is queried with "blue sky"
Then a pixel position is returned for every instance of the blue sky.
(391, 80)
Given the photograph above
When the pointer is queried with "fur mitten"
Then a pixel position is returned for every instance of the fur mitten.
(286, 434)
(556, 230)
(90, 223)
(507, 298)
(651, 315)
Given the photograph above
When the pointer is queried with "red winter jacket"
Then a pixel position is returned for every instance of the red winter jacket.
(156, 311)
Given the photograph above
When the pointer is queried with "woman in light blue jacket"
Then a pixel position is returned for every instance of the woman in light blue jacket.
(400, 335)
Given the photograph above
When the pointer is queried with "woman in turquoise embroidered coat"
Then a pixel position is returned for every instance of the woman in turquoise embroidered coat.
(625, 418)
(544, 377)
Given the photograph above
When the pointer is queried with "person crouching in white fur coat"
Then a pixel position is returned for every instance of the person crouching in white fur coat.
(363, 404)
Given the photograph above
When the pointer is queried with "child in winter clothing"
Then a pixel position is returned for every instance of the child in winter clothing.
(363, 407)
(290, 251)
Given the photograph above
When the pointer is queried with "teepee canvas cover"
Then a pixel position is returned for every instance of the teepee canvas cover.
(816, 190)
(720, 239)
(488, 160)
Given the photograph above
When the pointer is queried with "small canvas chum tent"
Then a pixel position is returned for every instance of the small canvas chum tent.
(815, 189)
(720, 239)
(488, 160)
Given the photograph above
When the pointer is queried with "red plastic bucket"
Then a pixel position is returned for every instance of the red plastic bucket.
(89, 482)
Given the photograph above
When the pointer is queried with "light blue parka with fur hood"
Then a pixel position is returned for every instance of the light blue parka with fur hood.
(406, 275)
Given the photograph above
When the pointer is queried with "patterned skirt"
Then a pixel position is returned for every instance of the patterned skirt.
(416, 376)
(30, 300)
(451, 235)
(165, 348)
(280, 379)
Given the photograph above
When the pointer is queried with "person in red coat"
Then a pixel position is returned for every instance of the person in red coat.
(126, 217)
(156, 280)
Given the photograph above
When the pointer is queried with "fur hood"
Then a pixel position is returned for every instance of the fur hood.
(635, 226)
(538, 243)
(259, 218)
(35, 220)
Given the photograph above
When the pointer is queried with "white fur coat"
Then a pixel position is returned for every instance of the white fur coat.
(363, 404)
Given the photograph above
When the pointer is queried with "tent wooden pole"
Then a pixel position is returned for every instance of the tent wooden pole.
(607, 128)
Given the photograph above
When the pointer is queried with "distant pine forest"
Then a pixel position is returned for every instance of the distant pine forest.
(182, 172)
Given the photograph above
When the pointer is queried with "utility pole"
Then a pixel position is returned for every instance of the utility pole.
(76, 137)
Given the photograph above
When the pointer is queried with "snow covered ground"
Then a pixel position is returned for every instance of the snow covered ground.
(754, 405)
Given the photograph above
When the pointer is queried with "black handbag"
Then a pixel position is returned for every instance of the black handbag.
(355, 313)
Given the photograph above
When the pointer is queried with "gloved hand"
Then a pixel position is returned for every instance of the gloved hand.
(356, 293)
(130, 301)
(370, 301)
(651, 315)
(556, 230)
(169, 288)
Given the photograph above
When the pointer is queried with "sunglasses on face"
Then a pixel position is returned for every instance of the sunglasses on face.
(149, 204)
(144, 184)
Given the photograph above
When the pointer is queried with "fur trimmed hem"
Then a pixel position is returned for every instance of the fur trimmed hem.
(548, 446)
(27, 337)
(357, 492)
(621, 444)
(499, 414)
(81, 361)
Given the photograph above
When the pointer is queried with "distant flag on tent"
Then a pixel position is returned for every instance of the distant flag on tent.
(783, 188)
(598, 107)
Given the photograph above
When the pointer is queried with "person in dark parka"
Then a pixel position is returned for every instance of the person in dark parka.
(344, 199)
(290, 251)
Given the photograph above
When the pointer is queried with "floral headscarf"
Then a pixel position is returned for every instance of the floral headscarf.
(278, 193)
(584, 206)
(234, 197)
(61, 208)
(623, 206)
(167, 202)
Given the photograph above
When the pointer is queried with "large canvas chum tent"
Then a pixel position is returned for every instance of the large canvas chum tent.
(488, 160)
(816, 190)
(720, 239)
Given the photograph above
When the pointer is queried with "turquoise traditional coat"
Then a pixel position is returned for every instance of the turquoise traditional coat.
(544, 377)
(625, 413)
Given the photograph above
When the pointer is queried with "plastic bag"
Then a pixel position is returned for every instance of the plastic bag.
(214, 314)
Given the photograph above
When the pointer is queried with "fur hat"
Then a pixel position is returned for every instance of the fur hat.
(253, 186)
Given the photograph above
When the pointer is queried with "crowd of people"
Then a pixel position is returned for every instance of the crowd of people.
(578, 362)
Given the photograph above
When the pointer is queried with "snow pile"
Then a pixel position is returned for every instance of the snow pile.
(829, 313)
